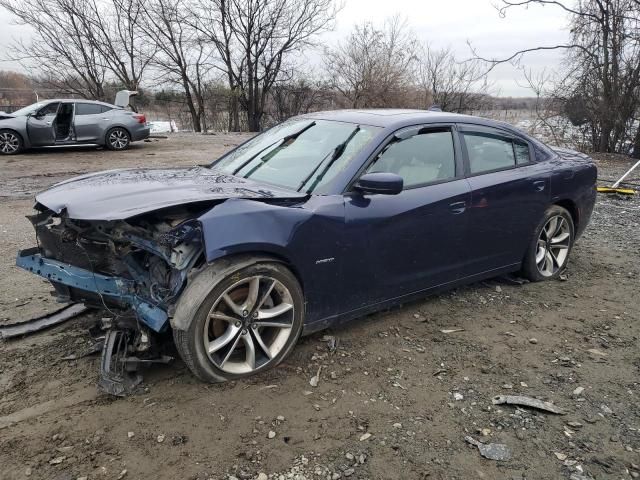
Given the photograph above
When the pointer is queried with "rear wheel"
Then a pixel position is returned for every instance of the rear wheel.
(118, 139)
(10, 142)
(549, 250)
(248, 322)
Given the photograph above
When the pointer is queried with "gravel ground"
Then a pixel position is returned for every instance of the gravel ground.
(395, 398)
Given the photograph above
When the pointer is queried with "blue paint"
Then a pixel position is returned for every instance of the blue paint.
(153, 316)
(390, 248)
(385, 249)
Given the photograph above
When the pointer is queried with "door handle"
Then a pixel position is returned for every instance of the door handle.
(458, 207)
(48, 123)
(539, 185)
(105, 118)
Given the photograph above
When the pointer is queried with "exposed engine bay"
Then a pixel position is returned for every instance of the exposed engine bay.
(155, 251)
(133, 269)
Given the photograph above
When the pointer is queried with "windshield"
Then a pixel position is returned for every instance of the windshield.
(301, 154)
(27, 110)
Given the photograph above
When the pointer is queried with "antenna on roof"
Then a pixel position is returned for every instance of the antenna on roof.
(435, 108)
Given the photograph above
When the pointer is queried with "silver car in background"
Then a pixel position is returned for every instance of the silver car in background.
(70, 122)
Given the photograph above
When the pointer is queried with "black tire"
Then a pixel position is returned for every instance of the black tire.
(11, 142)
(190, 343)
(531, 267)
(118, 139)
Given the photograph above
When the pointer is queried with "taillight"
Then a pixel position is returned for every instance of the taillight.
(141, 118)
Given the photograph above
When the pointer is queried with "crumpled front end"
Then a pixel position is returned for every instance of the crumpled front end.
(137, 266)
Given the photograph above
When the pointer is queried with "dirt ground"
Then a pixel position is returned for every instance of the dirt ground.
(395, 398)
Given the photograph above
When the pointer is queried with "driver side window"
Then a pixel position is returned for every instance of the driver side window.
(49, 109)
(421, 159)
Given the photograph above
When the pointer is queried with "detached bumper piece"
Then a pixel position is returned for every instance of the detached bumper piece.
(116, 378)
(121, 362)
(118, 288)
(38, 324)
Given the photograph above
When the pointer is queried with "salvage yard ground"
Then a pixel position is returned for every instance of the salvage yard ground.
(395, 399)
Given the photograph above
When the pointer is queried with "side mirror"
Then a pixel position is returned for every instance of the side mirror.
(382, 183)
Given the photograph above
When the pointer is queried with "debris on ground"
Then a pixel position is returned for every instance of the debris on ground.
(316, 378)
(331, 341)
(452, 330)
(38, 324)
(595, 351)
(492, 451)
(524, 401)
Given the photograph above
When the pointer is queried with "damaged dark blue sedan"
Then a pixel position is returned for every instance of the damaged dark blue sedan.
(321, 219)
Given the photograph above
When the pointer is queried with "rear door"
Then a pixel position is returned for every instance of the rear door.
(509, 194)
(41, 125)
(89, 121)
(414, 240)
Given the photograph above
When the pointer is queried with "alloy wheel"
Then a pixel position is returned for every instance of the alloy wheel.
(249, 324)
(118, 139)
(9, 142)
(553, 246)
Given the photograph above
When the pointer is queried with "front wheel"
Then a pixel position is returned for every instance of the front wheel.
(248, 322)
(10, 142)
(549, 250)
(118, 139)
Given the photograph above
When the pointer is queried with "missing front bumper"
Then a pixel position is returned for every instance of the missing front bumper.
(118, 288)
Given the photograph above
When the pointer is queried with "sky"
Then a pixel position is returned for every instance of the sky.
(442, 23)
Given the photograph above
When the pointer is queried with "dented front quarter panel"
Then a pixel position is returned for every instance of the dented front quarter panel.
(307, 236)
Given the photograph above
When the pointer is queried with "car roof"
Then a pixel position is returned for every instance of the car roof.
(398, 118)
(77, 100)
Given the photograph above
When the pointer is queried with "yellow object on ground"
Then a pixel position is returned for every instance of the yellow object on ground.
(623, 191)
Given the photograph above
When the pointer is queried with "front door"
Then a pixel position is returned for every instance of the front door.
(41, 126)
(415, 240)
(509, 194)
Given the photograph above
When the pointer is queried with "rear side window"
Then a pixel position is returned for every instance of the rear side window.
(88, 108)
(488, 152)
(424, 158)
(521, 151)
(104, 108)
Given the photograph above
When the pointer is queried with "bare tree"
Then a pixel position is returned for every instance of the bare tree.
(297, 96)
(373, 66)
(602, 66)
(59, 50)
(448, 83)
(182, 57)
(114, 30)
(254, 39)
(555, 118)
(79, 45)
(16, 89)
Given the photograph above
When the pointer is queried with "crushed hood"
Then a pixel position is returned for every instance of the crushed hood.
(120, 194)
